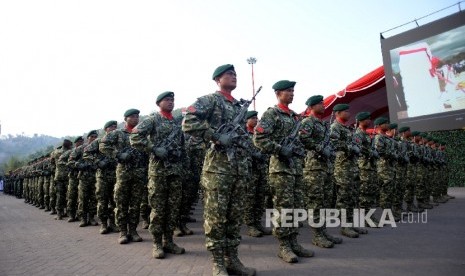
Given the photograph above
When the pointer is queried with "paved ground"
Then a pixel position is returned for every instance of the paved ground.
(32, 243)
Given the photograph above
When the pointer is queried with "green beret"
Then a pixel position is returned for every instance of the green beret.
(78, 139)
(130, 112)
(313, 100)
(415, 133)
(362, 116)
(92, 132)
(404, 129)
(429, 138)
(110, 123)
(340, 107)
(250, 114)
(393, 126)
(381, 121)
(423, 135)
(220, 70)
(283, 85)
(164, 95)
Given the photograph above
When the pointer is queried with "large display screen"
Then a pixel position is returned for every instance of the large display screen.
(425, 75)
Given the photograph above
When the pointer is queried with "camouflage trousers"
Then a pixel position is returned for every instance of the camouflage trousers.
(130, 182)
(105, 185)
(410, 183)
(144, 204)
(25, 189)
(223, 209)
(53, 193)
(346, 178)
(32, 190)
(386, 176)
(369, 189)
(444, 179)
(399, 188)
(164, 195)
(72, 194)
(255, 197)
(288, 193)
(190, 188)
(87, 202)
(47, 192)
(436, 189)
(318, 191)
(423, 194)
(61, 185)
(40, 190)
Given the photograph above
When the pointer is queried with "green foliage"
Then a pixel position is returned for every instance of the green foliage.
(455, 150)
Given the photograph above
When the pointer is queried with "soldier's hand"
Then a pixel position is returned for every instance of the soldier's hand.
(123, 156)
(257, 155)
(81, 166)
(222, 139)
(375, 154)
(286, 152)
(327, 151)
(355, 150)
(160, 152)
(102, 163)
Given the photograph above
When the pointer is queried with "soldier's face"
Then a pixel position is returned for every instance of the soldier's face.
(78, 143)
(91, 138)
(132, 120)
(228, 80)
(167, 104)
(286, 96)
(252, 122)
(110, 128)
(343, 115)
(365, 123)
(318, 108)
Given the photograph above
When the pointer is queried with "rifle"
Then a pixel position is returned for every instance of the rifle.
(291, 142)
(172, 147)
(374, 153)
(235, 128)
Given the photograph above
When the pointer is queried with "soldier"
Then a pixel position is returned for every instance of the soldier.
(73, 181)
(384, 165)
(411, 137)
(345, 167)
(314, 134)
(399, 171)
(369, 186)
(106, 178)
(223, 178)
(87, 166)
(161, 132)
(257, 183)
(421, 191)
(61, 177)
(47, 176)
(445, 172)
(53, 164)
(285, 167)
(131, 176)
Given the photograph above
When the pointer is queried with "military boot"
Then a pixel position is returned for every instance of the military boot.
(298, 249)
(157, 251)
(53, 212)
(83, 223)
(359, 230)
(42, 207)
(218, 263)
(439, 200)
(178, 232)
(424, 205)
(145, 224)
(72, 217)
(433, 203)
(92, 220)
(170, 247)
(253, 231)
(59, 215)
(348, 232)
(103, 228)
(112, 227)
(47, 209)
(185, 230)
(285, 251)
(133, 235)
(234, 265)
(330, 237)
(319, 239)
(265, 231)
(123, 237)
(449, 196)
(412, 208)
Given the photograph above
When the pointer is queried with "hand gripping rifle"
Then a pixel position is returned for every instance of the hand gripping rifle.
(172, 147)
(292, 142)
(235, 128)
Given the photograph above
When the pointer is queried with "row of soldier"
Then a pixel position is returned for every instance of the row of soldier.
(283, 161)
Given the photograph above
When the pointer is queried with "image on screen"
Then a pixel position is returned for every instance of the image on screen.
(425, 74)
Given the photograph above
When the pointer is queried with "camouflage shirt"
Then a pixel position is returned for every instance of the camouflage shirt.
(364, 141)
(61, 171)
(312, 135)
(203, 118)
(114, 142)
(275, 125)
(159, 131)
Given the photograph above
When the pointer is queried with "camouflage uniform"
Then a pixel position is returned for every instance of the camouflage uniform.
(369, 185)
(164, 187)
(385, 169)
(131, 176)
(52, 189)
(285, 176)
(401, 175)
(87, 201)
(47, 176)
(411, 176)
(318, 187)
(73, 183)
(223, 180)
(61, 182)
(257, 186)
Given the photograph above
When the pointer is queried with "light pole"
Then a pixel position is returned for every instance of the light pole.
(252, 61)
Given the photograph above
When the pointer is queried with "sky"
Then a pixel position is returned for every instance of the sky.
(67, 67)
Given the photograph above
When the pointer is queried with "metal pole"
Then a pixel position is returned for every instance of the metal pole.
(253, 88)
